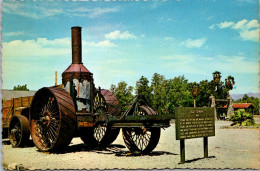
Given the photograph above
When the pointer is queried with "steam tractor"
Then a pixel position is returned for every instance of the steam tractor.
(77, 109)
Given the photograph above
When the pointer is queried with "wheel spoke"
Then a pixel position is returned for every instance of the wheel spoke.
(99, 132)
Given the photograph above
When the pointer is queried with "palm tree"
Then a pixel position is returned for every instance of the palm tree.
(229, 82)
(216, 76)
(195, 92)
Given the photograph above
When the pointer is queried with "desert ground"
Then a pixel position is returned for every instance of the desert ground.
(229, 149)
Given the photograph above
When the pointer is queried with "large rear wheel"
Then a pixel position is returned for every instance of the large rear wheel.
(52, 119)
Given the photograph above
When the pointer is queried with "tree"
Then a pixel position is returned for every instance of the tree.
(169, 94)
(123, 92)
(216, 77)
(206, 89)
(21, 88)
(158, 86)
(164, 95)
(142, 87)
(217, 88)
(245, 98)
(229, 82)
(178, 93)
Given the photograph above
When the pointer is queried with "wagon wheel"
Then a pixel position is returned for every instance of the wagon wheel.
(52, 119)
(19, 131)
(141, 139)
(102, 134)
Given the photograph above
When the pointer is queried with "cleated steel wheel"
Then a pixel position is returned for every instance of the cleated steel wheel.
(142, 140)
(102, 134)
(52, 119)
(19, 131)
(99, 136)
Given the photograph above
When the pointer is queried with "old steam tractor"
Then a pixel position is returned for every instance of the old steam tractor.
(77, 109)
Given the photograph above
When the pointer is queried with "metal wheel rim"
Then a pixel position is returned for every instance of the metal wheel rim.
(141, 137)
(47, 123)
(15, 136)
(52, 119)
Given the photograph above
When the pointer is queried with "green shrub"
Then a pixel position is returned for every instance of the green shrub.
(242, 118)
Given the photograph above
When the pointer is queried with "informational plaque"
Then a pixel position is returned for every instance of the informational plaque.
(194, 122)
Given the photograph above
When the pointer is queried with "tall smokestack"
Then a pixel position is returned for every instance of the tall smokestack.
(76, 45)
(76, 70)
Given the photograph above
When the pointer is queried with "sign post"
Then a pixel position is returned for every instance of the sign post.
(205, 145)
(193, 122)
(182, 151)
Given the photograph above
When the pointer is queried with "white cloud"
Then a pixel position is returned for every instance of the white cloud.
(92, 12)
(252, 24)
(225, 24)
(105, 43)
(168, 38)
(42, 47)
(19, 8)
(236, 64)
(118, 35)
(100, 11)
(228, 64)
(206, 58)
(252, 35)
(248, 30)
(18, 33)
(212, 26)
(39, 47)
(38, 12)
(196, 43)
(38, 59)
(240, 24)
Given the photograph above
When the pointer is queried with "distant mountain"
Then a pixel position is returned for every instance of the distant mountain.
(240, 96)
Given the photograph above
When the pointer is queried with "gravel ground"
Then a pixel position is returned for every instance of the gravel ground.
(230, 148)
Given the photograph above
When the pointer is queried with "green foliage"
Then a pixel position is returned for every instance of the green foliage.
(242, 118)
(178, 93)
(142, 87)
(253, 100)
(206, 89)
(123, 92)
(209, 87)
(164, 95)
(229, 82)
(21, 88)
(158, 87)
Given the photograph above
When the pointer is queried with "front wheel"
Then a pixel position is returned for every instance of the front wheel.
(141, 140)
(19, 131)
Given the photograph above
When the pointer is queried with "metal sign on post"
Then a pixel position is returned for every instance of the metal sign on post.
(194, 123)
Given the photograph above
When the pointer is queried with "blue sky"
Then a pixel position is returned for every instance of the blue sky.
(123, 40)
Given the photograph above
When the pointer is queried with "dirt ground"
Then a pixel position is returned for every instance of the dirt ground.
(229, 149)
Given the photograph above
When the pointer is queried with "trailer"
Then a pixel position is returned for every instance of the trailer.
(12, 109)
(76, 108)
